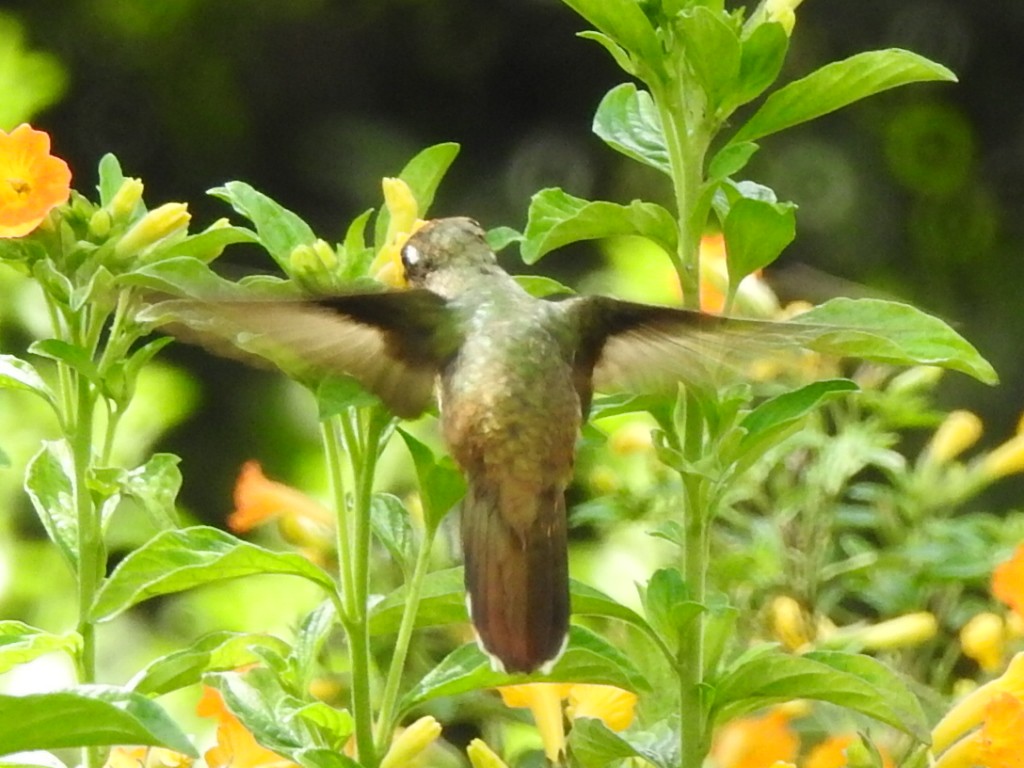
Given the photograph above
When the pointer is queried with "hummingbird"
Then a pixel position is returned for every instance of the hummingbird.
(513, 376)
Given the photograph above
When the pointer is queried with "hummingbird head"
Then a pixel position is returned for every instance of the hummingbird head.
(454, 245)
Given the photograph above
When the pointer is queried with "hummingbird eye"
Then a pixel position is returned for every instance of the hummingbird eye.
(410, 256)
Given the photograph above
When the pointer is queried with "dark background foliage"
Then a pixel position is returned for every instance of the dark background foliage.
(916, 193)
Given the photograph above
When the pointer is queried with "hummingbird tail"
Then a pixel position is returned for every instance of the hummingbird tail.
(517, 576)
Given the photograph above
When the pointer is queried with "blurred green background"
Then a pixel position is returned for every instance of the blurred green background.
(915, 193)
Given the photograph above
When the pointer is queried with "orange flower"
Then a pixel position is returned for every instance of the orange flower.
(756, 742)
(259, 500)
(32, 181)
(236, 747)
(999, 743)
(1008, 581)
(831, 753)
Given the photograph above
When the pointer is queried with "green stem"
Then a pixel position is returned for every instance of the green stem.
(91, 558)
(385, 721)
(330, 436)
(692, 724)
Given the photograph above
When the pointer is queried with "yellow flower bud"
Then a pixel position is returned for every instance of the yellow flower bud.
(958, 432)
(1007, 459)
(157, 225)
(124, 202)
(303, 259)
(401, 206)
(411, 742)
(788, 623)
(971, 711)
(604, 480)
(611, 705)
(983, 639)
(99, 225)
(482, 756)
(904, 631)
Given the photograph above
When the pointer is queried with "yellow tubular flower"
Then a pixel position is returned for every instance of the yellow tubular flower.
(789, 624)
(544, 701)
(983, 639)
(411, 742)
(1007, 459)
(612, 706)
(958, 432)
(1008, 581)
(160, 223)
(403, 221)
(751, 742)
(999, 743)
(970, 712)
(902, 632)
(482, 756)
(782, 11)
(124, 202)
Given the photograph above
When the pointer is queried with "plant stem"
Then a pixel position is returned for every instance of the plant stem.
(385, 720)
(91, 558)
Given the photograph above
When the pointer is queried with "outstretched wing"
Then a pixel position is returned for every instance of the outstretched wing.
(644, 348)
(392, 343)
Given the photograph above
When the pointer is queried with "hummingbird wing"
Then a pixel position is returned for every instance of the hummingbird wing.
(646, 348)
(393, 343)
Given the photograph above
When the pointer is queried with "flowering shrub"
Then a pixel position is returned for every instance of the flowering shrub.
(787, 552)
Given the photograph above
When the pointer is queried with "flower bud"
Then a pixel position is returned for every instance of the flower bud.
(915, 379)
(411, 742)
(631, 438)
(788, 623)
(1007, 459)
(902, 632)
(303, 259)
(983, 639)
(482, 756)
(326, 255)
(99, 225)
(782, 11)
(958, 432)
(157, 225)
(124, 202)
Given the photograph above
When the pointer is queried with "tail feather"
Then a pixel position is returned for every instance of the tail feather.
(517, 577)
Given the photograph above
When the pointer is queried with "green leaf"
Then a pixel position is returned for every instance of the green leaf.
(390, 521)
(313, 632)
(187, 276)
(853, 681)
(617, 52)
(712, 49)
(556, 218)
(87, 716)
(16, 373)
(442, 601)
(792, 406)
(668, 605)
(423, 175)
(441, 484)
(178, 560)
(892, 333)
(281, 722)
(207, 245)
(155, 487)
(594, 744)
(20, 643)
(540, 286)
(588, 658)
(278, 229)
(73, 355)
(836, 85)
(731, 159)
(49, 483)
(501, 238)
(627, 120)
(626, 24)
(5, 460)
(761, 59)
(755, 234)
(111, 178)
(215, 652)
